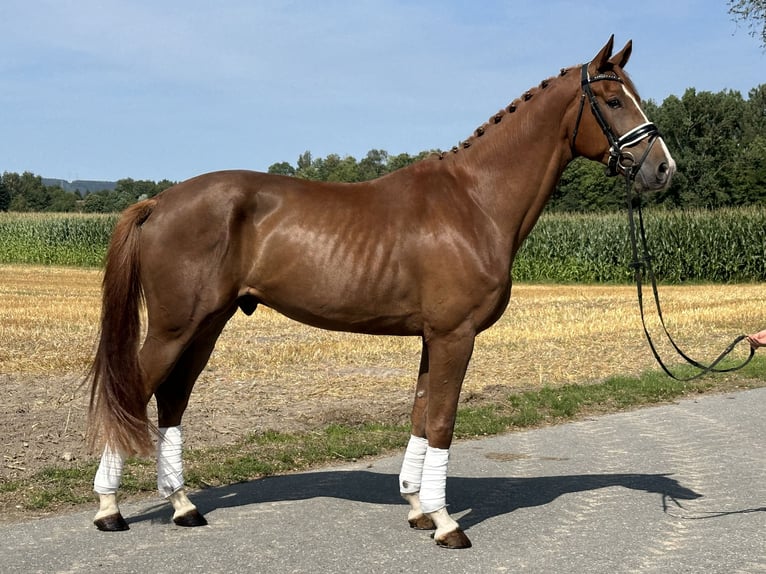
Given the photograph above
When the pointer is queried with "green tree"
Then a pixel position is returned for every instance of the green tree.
(5, 196)
(142, 188)
(12, 184)
(18, 203)
(373, 165)
(752, 12)
(96, 202)
(584, 188)
(396, 162)
(376, 163)
(61, 201)
(335, 168)
(755, 113)
(706, 133)
(27, 192)
(126, 185)
(749, 174)
(282, 168)
(306, 167)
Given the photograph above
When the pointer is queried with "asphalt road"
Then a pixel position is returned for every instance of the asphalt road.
(676, 488)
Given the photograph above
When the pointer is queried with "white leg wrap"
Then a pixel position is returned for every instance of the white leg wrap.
(433, 489)
(170, 466)
(109, 473)
(412, 466)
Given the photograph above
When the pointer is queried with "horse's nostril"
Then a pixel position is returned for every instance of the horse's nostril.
(663, 173)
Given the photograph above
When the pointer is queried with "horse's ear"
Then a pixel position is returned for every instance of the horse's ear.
(601, 61)
(621, 58)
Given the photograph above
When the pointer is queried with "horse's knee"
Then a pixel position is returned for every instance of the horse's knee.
(439, 433)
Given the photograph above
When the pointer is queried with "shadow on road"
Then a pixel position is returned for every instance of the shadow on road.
(484, 497)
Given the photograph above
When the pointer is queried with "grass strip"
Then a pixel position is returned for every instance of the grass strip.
(269, 453)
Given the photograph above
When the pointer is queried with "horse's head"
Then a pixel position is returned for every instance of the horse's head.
(615, 130)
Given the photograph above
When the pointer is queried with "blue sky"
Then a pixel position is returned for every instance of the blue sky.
(155, 89)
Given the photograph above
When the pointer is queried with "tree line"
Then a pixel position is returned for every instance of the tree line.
(717, 139)
(28, 192)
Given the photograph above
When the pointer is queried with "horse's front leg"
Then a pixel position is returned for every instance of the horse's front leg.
(443, 366)
(411, 473)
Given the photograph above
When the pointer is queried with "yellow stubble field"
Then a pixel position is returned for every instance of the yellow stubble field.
(548, 335)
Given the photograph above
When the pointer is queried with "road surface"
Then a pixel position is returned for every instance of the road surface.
(674, 488)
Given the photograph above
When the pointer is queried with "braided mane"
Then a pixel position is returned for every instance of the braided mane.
(501, 114)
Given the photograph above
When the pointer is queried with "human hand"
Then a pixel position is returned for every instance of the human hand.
(757, 339)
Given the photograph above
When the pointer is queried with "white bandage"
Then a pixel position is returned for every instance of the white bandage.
(412, 465)
(433, 490)
(170, 466)
(109, 473)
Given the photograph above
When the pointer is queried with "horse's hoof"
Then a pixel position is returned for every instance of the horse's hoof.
(190, 519)
(112, 523)
(422, 522)
(454, 540)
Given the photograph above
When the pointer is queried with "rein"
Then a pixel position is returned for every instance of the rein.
(642, 262)
(623, 161)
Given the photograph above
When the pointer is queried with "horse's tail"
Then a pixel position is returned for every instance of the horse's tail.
(117, 415)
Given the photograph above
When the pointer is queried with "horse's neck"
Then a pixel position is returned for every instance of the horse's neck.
(517, 162)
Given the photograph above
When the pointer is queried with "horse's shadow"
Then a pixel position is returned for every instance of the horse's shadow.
(483, 497)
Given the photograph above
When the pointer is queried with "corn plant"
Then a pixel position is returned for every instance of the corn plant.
(721, 246)
(54, 239)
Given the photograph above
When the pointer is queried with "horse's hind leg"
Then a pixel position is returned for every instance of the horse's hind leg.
(107, 481)
(172, 399)
(171, 365)
(158, 356)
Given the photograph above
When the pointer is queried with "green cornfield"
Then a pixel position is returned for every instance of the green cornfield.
(71, 240)
(721, 246)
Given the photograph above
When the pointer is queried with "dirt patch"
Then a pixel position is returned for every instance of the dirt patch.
(43, 419)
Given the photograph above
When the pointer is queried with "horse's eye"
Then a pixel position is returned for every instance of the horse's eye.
(614, 103)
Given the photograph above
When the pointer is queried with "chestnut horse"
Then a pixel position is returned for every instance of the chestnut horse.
(425, 251)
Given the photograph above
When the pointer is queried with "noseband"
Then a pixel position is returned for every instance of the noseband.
(620, 160)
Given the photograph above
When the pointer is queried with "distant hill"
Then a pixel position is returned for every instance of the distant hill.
(83, 186)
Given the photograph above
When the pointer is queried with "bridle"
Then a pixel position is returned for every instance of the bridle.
(622, 161)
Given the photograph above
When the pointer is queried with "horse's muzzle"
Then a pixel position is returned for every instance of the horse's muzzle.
(656, 174)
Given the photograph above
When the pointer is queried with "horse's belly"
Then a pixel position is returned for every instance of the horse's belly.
(338, 295)
(359, 316)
